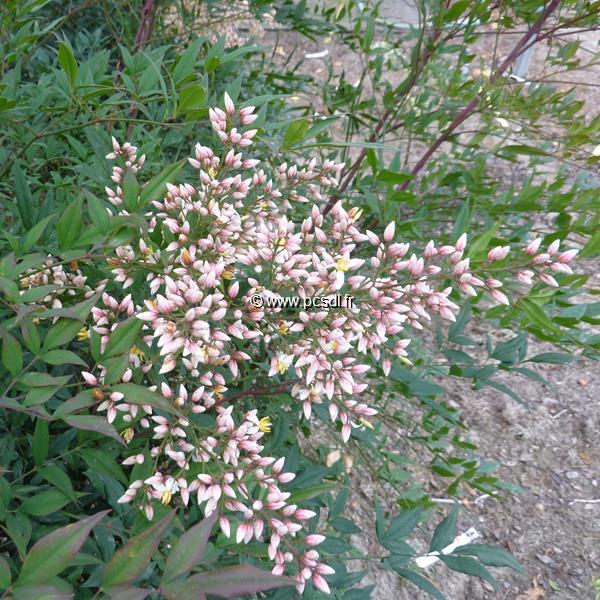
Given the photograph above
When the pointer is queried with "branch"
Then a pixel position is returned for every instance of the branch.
(262, 391)
(530, 37)
(407, 86)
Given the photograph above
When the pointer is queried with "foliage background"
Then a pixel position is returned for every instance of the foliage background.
(72, 78)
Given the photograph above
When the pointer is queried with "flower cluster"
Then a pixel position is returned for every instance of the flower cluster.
(209, 248)
(57, 281)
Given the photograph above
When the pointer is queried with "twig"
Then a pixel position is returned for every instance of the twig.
(532, 36)
(262, 391)
(585, 501)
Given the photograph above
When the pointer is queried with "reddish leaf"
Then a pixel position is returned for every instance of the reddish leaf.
(50, 555)
(189, 549)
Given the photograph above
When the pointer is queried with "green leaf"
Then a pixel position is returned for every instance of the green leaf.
(35, 233)
(130, 561)
(392, 177)
(68, 227)
(40, 442)
(295, 132)
(421, 583)
(23, 197)
(191, 97)
(536, 315)
(131, 191)
(67, 61)
(53, 553)
(305, 493)
(67, 328)
(103, 462)
(523, 149)
(492, 556)
(97, 211)
(455, 10)
(404, 523)
(18, 527)
(468, 566)
(156, 188)
(230, 582)
(555, 358)
(44, 503)
(445, 532)
(139, 394)
(59, 479)
(93, 423)
(36, 293)
(82, 400)
(40, 592)
(12, 355)
(43, 379)
(123, 337)
(5, 576)
(62, 357)
(187, 61)
(128, 593)
(189, 549)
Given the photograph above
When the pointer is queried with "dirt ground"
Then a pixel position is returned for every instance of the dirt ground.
(551, 449)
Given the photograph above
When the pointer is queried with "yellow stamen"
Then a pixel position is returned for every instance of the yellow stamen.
(83, 334)
(366, 423)
(127, 434)
(166, 497)
(343, 264)
(265, 424)
(137, 352)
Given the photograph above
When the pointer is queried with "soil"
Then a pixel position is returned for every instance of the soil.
(551, 448)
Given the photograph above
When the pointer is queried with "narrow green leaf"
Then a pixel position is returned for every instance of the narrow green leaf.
(5, 576)
(82, 400)
(93, 423)
(392, 177)
(139, 394)
(44, 503)
(156, 188)
(311, 491)
(187, 61)
(59, 479)
(40, 395)
(69, 225)
(40, 442)
(67, 61)
(229, 582)
(62, 357)
(445, 532)
(191, 98)
(12, 355)
(295, 132)
(128, 593)
(468, 566)
(421, 583)
(23, 197)
(404, 523)
(189, 549)
(40, 592)
(36, 293)
(131, 191)
(130, 561)
(35, 233)
(492, 556)
(97, 211)
(123, 337)
(99, 460)
(66, 328)
(53, 553)
(556, 358)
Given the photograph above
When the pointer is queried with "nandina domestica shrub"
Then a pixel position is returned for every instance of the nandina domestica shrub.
(208, 337)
